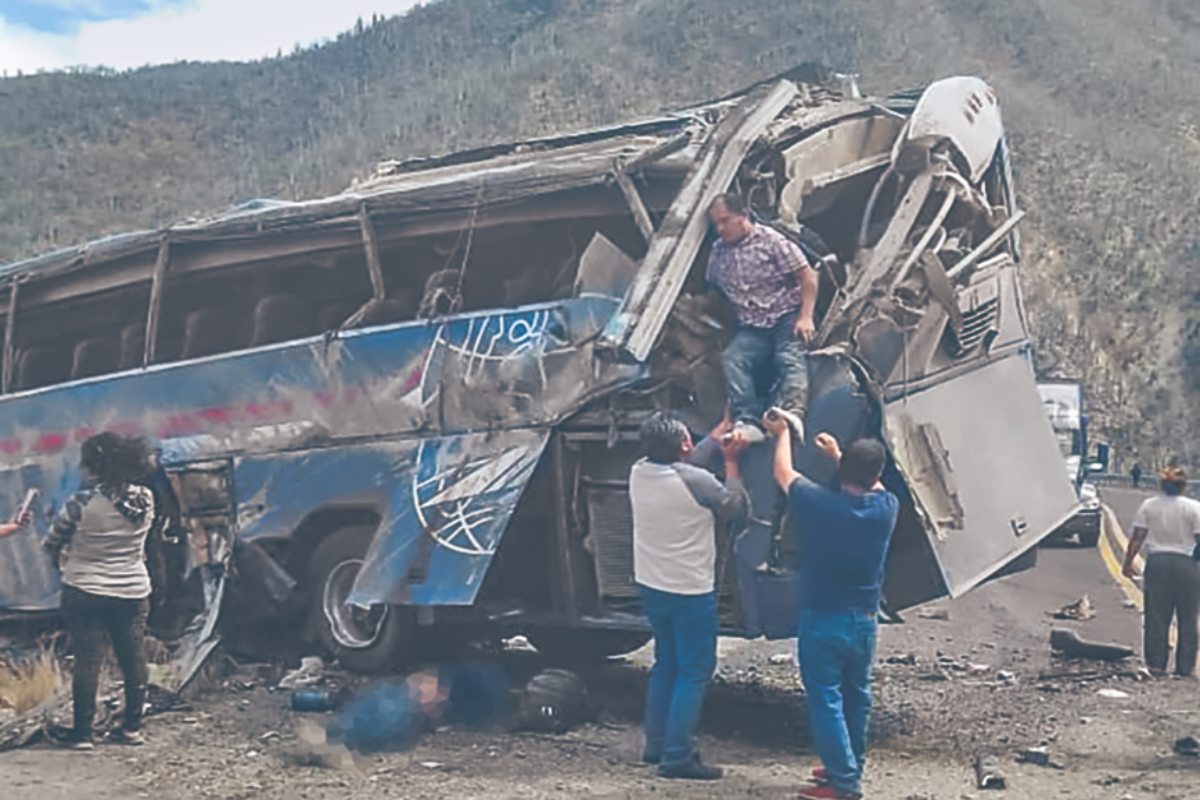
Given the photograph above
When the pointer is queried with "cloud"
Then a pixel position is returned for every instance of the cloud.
(193, 30)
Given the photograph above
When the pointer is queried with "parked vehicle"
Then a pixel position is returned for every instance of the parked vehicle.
(1064, 405)
(412, 407)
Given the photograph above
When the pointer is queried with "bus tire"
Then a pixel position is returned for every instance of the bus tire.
(363, 640)
(581, 645)
(1089, 538)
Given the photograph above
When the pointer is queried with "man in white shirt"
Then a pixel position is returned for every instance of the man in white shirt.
(678, 511)
(1168, 524)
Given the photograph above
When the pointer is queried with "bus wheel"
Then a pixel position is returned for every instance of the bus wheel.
(372, 639)
(577, 645)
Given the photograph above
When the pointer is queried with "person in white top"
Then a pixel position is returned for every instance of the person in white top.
(678, 511)
(1167, 527)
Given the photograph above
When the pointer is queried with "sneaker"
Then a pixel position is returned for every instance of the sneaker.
(750, 433)
(694, 770)
(74, 741)
(820, 775)
(827, 793)
(793, 420)
(123, 736)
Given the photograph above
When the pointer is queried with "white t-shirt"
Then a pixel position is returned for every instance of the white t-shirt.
(1173, 524)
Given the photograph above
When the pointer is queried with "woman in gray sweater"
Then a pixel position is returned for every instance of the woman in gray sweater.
(98, 542)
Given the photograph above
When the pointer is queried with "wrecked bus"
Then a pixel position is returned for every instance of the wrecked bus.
(412, 408)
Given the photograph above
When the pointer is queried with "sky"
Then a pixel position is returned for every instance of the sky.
(55, 34)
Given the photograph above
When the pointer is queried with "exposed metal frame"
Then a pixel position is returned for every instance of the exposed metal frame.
(154, 312)
(10, 329)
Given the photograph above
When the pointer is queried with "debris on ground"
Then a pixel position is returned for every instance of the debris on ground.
(987, 774)
(1113, 694)
(1080, 611)
(1006, 677)
(310, 672)
(935, 614)
(1187, 746)
(780, 659)
(1039, 756)
(314, 699)
(908, 660)
(1066, 642)
(555, 700)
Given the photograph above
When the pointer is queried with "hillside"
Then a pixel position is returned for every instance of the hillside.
(1101, 99)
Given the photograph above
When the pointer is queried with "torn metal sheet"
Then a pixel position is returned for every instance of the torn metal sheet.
(953, 442)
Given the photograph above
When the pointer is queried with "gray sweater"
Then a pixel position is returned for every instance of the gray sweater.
(99, 539)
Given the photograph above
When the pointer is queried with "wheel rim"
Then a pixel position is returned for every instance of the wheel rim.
(353, 626)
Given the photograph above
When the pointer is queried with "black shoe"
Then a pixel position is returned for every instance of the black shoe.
(694, 770)
(124, 736)
(73, 740)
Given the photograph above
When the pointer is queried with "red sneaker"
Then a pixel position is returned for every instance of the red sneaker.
(827, 793)
(820, 775)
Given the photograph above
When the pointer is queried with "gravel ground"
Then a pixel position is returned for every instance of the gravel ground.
(957, 680)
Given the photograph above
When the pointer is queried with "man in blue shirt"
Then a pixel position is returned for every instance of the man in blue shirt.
(844, 536)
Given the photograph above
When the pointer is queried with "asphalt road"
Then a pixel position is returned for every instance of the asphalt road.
(1124, 503)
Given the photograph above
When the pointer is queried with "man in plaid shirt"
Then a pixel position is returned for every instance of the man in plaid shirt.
(773, 290)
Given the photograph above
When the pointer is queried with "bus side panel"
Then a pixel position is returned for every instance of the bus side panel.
(444, 505)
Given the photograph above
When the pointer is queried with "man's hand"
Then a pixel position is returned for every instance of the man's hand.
(731, 449)
(724, 427)
(805, 330)
(1129, 569)
(828, 445)
(775, 425)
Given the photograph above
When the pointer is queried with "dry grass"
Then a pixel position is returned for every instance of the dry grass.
(27, 684)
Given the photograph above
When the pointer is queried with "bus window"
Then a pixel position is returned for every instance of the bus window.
(78, 336)
(217, 310)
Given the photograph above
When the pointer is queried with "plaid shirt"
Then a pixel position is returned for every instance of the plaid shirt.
(760, 276)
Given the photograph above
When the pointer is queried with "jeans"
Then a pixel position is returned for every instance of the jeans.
(750, 353)
(837, 654)
(90, 618)
(1172, 589)
(685, 655)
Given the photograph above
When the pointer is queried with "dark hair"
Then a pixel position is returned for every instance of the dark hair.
(732, 202)
(662, 437)
(862, 463)
(1173, 481)
(116, 460)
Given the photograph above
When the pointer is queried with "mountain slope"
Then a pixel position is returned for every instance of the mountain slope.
(1100, 98)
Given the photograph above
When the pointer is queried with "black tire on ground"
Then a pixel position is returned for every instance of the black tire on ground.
(581, 646)
(371, 641)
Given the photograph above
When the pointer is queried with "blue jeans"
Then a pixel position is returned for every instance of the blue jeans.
(749, 355)
(837, 654)
(685, 655)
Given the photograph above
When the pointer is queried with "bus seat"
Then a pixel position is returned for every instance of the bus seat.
(208, 331)
(389, 310)
(94, 357)
(331, 315)
(133, 346)
(281, 318)
(42, 366)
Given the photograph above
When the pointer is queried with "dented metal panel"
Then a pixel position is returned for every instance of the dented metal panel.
(982, 466)
(444, 389)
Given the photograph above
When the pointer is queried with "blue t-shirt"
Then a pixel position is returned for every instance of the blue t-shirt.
(843, 541)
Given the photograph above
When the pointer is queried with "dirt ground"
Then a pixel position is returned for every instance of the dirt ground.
(935, 713)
